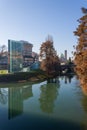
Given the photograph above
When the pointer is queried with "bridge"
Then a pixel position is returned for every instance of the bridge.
(67, 68)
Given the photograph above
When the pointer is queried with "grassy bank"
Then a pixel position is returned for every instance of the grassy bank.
(32, 76)
(35, 75)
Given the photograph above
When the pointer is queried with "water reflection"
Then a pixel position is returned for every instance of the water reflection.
(68, 78)
(52, 104)
(54, 80)
(48, 95)
(84, 103)
(84, 89)
(3, 96)
(84, 98)
(16, 96)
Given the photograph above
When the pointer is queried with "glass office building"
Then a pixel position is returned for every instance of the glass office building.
(19, 53)
(15, 58)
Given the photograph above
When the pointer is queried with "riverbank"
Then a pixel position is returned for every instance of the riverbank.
(32, 76)
(23, 76)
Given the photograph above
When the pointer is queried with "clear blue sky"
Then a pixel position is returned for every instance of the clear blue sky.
(33, 20)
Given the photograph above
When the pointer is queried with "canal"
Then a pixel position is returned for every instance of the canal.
(59, 104)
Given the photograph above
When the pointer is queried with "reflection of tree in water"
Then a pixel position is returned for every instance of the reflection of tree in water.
(83, 85)
(3, 97)
(84, 103)
(68, 78)
(55, 80)
(48, 95)
(84, 99)
(84, 89)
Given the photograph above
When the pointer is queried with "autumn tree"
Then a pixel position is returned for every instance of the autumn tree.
(80, 54)
(49, 58)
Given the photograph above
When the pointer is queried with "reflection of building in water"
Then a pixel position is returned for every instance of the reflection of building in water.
(3, 95)
(48, 95)
(15, 102)
(16, 96)
(27, 92)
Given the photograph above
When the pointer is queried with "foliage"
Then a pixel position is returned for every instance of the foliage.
(49, 58)
(80, 54)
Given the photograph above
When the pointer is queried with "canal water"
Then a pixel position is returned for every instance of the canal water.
(58, 104)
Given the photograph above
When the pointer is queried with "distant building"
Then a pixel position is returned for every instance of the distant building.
(4, 62)
(35, 56)
(63, 57)
(66, 54)
(35, 65)
(27, 53)
(19, 55)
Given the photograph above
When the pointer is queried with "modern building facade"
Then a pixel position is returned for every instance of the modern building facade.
(27, 53)
(19, 53)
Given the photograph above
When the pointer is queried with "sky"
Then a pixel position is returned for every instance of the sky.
(34, 20)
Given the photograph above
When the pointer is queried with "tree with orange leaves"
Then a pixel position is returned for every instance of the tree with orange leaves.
(81, 49)
(49, 59)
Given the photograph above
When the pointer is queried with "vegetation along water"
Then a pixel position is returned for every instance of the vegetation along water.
(59, 103)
